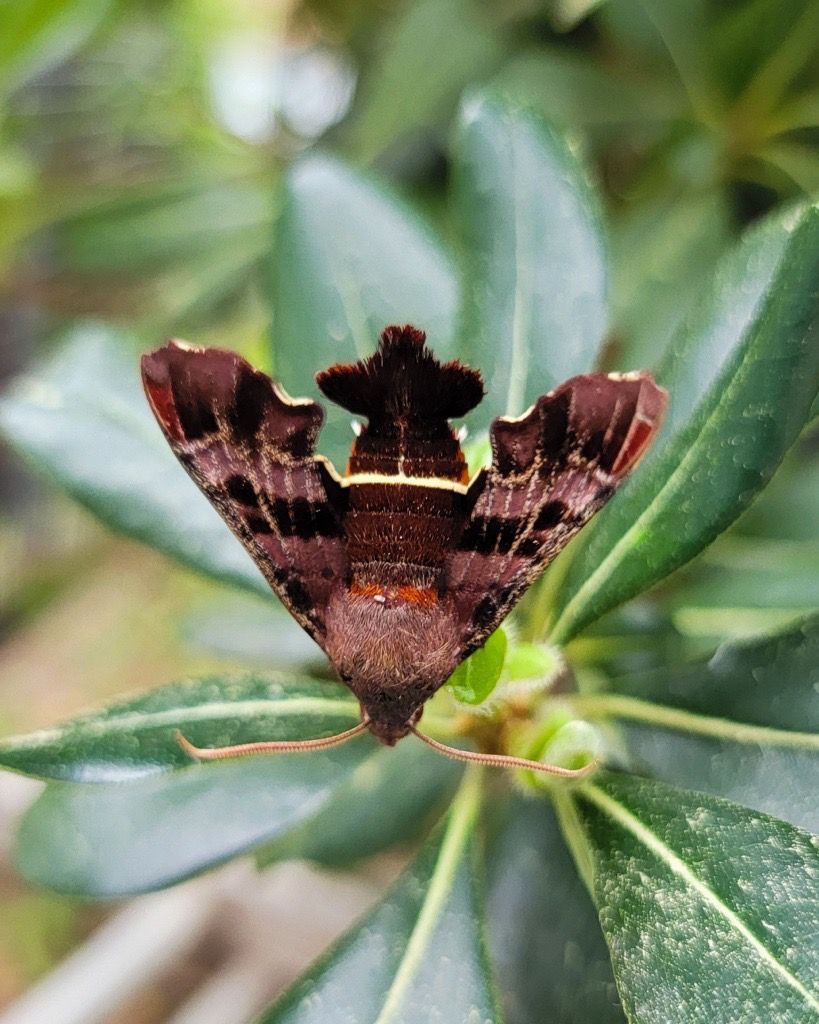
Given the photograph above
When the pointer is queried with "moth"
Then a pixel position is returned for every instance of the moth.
(403, 566)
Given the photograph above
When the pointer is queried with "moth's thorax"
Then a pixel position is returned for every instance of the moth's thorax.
(393, 643)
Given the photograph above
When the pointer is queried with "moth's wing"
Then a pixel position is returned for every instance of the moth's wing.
(551, 470)
(250, 448)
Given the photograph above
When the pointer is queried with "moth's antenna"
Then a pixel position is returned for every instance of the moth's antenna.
(505, 760)
(268, 746)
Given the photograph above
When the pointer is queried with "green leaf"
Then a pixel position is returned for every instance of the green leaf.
(749, 41)
(565, 14)
(534, 309)
(743, 587)
(760, 768)
(82, 417)
(165, 226)
(789, 508)
(419, 955)
(663, 256)
(333, 811)
(683, 25)
(709, 909)
(570, 91)
(36, 34)
(797, 163)
(544, 936)
(118, 839)
(137, 737)
(474, 679)
(246, 628)
(427, 56)
(770, 681)
(527, 661)
(743, 725)
(771, 770)
(741, 377)
(350, 258)
(387, 800)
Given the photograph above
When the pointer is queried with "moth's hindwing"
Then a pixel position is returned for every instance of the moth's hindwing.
(250, 448)
(551, 470)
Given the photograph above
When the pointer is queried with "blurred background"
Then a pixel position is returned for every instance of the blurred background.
(142, 146)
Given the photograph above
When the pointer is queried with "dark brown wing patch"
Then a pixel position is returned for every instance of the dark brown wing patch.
(408, 396)
(403, 381)
(250, 448)
(552, 469)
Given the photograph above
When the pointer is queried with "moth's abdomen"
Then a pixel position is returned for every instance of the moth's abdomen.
(399, 534)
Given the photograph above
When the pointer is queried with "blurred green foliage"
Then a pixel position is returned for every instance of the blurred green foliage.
(145, 181)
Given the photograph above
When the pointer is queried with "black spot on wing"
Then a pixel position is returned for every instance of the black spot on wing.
(507, 534)
(280, 510)
(301, 516)
(241, 490)
(593, 446)
(488, 534)
(492, 530)
(485, 612)
(528, 547)
(259, 525)
(552, 513)
(249, 404)
(298, 595)
(196, 415)
(326, 523)
(555, 432)
(472, 537)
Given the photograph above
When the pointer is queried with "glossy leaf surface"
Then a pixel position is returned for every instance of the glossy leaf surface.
(534, 309)
(419, 955)
(742, 588)
(770, 681)
(742, 725)
(742, 376)
(83, 418)
(239, 626)
(709, 909)
(573, 93)
(349, 259)
(763, 769)
(119, 839)
(387, 800)
(138, 737)
(663, 256)
(418, 71)
(475, 679)
(547, 949)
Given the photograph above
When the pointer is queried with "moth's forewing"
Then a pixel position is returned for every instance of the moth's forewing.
(250, 448)
(551, 470)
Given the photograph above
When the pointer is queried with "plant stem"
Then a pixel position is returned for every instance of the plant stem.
(617, 706)
(575, 836)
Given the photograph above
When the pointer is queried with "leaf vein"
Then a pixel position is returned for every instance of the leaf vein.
(664, 853)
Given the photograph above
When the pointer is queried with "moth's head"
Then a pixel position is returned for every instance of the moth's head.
(393, 648)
